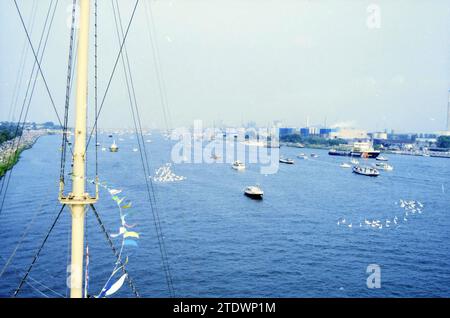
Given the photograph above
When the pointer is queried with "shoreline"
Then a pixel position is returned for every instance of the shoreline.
(10, 152)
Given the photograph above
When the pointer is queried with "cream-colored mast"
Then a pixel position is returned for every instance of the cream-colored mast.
(78, 199)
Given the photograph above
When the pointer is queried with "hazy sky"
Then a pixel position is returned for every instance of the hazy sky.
(258, 60)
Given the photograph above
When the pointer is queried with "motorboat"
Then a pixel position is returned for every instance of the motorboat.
(287, 161)
(366, 171)
(254, 192)
(381, 158)
(114, 147)
(384, 166)
(313, 155)
(302, 156)
(345, 165)
(238, 165)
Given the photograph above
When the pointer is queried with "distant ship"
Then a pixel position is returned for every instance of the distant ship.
(360, 150)
(114, 147)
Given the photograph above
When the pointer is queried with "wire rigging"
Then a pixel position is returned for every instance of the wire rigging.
(38, 63)
(36, 256)
(112, 73)
(151, 28)
(14, 153)
(143, 152)
(116, 253)
(23, 59)
(68, 90)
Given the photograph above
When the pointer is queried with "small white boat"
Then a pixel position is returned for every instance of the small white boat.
(366, 171)
(103, 149)
(381, 158)
(313, 155)
(113, 147)
(238, 165)
(302, 156)
(135, 150)
(354, 161)
(287, 161)
(345, 165)
(254, 192)
(384, 166)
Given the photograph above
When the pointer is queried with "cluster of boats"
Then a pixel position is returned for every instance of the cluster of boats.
(370, 171)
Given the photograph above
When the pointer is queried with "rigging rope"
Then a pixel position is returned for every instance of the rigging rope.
(68, 89)
(113, 72)
(23, 59)
(38, 63)
(36, 256)
(115, 252)
(8, 178)
(39, 211)
(144, 158)
(151, 28)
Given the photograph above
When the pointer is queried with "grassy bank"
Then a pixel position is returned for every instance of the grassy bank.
(5, 166)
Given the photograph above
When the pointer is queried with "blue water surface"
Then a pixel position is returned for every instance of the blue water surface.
(222, 244)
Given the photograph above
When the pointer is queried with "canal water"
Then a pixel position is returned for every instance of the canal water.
(223, 244)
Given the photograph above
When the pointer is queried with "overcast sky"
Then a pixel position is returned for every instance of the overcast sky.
(254, 60)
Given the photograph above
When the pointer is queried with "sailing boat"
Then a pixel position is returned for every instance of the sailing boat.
(114, 147)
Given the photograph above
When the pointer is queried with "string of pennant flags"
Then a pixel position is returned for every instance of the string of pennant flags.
(129, 238)
(409, 209)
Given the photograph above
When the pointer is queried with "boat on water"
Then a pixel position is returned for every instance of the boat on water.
(254, 192)
(364, 150)
(238, 165)
(287, 161)
(135, 150)
(354, 161)
(384, 166)
(345, 165)
(359, 150)
(114, 147)
(366, 171)
(334, 152)
(302, 156)
(313, 155)
(381, 158)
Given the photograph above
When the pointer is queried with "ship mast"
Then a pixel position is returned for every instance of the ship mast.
(78, 199)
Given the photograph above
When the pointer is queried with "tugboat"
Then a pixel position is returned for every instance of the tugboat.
(114, 147)
(366, 171)
(287, 161)
(254, 192)
(238, 165)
